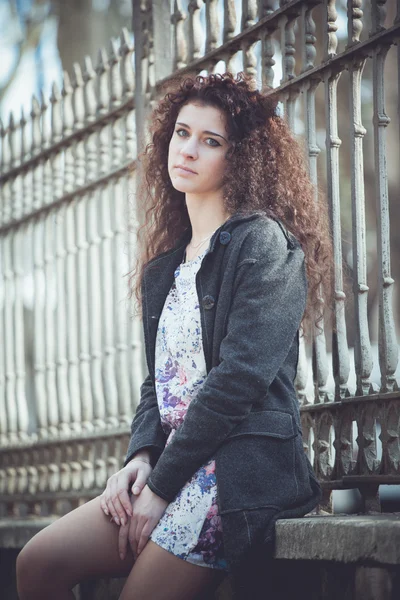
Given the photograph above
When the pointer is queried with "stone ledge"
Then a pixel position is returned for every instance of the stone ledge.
(346, 539)
(16, 533)
(341, 538)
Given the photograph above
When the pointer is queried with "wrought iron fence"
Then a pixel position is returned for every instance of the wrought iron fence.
(71, 360)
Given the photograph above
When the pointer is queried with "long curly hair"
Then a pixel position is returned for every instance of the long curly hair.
(266, 170)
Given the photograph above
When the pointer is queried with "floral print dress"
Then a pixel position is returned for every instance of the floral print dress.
(190, 528)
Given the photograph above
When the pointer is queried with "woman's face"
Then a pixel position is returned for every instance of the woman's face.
(199, 143)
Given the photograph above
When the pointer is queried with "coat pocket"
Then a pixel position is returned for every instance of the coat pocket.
(255, 466)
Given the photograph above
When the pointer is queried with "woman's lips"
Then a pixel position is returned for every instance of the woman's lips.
(185, 171)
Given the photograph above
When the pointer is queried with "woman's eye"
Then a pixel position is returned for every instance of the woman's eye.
(215, 144)
(178, 131)
(210, 141)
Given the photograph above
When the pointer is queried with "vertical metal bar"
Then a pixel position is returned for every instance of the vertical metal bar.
(249, 17)
(330, 37)
(57, 172)
(388, 350)
(22, 407)
(38, 329)
(63, 394)
(135, 371)
(212, 25)
(26, 185)
(3, 403)
(362, 345)
(37, 238)
(309, 39)
(46, 137)
(288, 40)
(53, 417)
(230, 20)
(320, 362)
(128, 90)
(354, 21)
(117, 201)
(362, 350)
(67, 129)
(72, 317)
(8, 283)
(71, 183)
(57, 165)
(49, 281)
(177, 19)
(5, 192)
(163, 50)
(288, 65)
(340, 351)
(108, 363)
(268, 62)
(14, 137)
(4, 158)
(35, 149)
(93, 252)
(249, 14)
(81, 274)
(195, 29)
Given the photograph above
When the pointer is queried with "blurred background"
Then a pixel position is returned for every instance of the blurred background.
(41, 38)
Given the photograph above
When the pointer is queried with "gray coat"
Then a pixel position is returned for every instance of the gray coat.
(252, 292)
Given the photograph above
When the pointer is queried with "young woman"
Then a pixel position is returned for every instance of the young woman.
(236, 253)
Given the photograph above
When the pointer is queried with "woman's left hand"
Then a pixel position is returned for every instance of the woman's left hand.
(147, 509)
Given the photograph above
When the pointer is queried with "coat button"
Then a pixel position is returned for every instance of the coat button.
(208, 302)
(225, 237)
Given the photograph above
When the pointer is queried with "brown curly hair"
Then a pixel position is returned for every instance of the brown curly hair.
(275, 179)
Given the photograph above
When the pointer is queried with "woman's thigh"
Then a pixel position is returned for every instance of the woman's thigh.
(159, 575)
(80, 545)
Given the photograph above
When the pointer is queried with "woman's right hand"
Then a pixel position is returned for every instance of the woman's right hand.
(115, 499)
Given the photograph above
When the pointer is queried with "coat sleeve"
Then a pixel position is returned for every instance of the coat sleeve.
(146, 430)
(265, 314)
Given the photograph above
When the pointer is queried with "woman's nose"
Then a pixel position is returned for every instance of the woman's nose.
(189, 149)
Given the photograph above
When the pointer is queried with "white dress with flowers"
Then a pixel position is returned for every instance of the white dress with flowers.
(190, 528)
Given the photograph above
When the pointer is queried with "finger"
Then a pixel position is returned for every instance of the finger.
(144, 537)
(103, 504)
(123, 540)
(124, 500)
(132, 536)
(115, 507)
(140, 481)
(110, 493)
(121, 516)
(120, 499)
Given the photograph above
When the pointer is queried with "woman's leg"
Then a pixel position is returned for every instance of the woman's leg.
(81, 545)
(84, 544)
(159, 575)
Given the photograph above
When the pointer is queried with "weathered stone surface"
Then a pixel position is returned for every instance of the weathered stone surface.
(330, 557)
(16, 533)
(353, 538)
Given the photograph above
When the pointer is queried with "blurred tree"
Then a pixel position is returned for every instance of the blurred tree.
(83, 26)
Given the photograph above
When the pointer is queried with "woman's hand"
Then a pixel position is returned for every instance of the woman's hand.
(115, 498)
(148, 509)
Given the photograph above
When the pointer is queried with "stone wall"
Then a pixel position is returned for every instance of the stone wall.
(317, 557)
